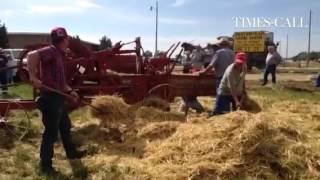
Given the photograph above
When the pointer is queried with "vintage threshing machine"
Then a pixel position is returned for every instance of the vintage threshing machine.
(117, 71)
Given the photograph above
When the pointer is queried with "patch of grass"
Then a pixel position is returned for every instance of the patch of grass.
(78, 169)
(282, 92)
(290, 95)
(24, 91)
(115, 171)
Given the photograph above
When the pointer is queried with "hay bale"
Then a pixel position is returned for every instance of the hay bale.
(110, 110)
(151, 114)
(158, 130)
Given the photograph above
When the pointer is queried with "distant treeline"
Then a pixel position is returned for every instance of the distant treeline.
(314, 55)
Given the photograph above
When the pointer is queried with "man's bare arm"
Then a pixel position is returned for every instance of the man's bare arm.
(210, 66)
(33, 60)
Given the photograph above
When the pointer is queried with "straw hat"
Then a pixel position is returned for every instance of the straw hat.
(221, 41)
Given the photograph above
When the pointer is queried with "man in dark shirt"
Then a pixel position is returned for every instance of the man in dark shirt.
(3, 73)
(220, 60)
(52, 105)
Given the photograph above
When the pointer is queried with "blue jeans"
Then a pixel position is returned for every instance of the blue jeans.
(223, 104)
(318, 81)
(191, 102)
(270, 69)
(9, 76)
(218, 81)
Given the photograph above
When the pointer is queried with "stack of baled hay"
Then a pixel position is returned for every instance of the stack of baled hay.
(276, 144)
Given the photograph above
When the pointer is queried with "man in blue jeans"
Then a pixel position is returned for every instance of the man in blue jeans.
(272, 61)
(231, 90)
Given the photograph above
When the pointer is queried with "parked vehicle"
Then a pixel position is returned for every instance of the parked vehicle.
(255, 44)
(14, 58)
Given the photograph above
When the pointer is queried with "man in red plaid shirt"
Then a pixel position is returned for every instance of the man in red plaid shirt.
(52, 105)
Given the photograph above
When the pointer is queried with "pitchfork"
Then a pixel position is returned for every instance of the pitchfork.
(71, 97)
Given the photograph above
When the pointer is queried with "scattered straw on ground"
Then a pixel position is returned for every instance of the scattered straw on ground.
(113, 111)
(251, 105)
(156, 102)
(266, 145)
(150, 114)
(233, 146)
(153, 102)
(148, 142)
(158, 130)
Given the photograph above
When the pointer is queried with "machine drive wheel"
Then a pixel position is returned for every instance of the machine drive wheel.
(163, 91)
(15, 125)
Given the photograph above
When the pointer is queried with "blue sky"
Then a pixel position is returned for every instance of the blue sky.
(197, 21)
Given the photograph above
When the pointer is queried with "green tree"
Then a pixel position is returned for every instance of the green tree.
(302, 56)
(4, 42)
(105, 43)
(314, 55)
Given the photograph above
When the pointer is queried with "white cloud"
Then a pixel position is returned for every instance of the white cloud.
(8, 13)
(177, 21)
(63, 8)
(136, 18)
(81, 6)
(121, 15)
(179, 3)
(87, 4)
(236, 3)
(45, 9)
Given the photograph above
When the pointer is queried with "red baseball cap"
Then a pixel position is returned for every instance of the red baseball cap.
(58, 33)
(241, 58)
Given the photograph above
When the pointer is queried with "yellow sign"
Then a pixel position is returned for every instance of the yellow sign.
(249, 41)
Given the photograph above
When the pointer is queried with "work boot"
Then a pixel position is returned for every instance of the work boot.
(48, 170)
(76, 154)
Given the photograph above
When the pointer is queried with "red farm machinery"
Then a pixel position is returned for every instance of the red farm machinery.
(117, 71)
